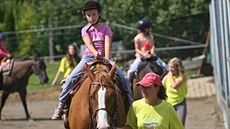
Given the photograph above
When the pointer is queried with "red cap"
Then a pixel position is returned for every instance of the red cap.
(149, 79)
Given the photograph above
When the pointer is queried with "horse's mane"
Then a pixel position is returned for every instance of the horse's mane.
(23, 59)
(141, 66)
(102, 72)
(152, 65)
(28, 58)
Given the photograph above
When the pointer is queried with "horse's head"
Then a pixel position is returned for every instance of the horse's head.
(149, 66)
(102, 95)
(144, 68)
(39, 68)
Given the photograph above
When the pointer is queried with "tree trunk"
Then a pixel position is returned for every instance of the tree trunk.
(51, 44)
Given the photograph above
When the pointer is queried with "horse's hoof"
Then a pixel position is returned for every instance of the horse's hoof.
(31, 120)
(56, 117)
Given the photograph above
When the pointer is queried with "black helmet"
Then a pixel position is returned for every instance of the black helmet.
(92, 4)
(144, 23)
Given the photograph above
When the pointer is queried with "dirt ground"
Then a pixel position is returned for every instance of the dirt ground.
(202, 112)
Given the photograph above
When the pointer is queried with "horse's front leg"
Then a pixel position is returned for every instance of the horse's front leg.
(4, 97)
(22, 94)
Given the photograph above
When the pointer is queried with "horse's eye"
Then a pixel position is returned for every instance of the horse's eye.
(114, 93)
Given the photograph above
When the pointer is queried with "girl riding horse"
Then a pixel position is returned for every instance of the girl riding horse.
(98, 39)
(4, 56)
(144, 46)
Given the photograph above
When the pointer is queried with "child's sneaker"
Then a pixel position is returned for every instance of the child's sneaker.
(58, 111)
(57, 114)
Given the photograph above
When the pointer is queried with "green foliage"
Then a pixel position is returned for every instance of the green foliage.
(25, 20)
(8, 23)
(34, 84)
(177, 18)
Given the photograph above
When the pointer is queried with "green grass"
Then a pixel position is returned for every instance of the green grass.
(34, 83)
(52, 68)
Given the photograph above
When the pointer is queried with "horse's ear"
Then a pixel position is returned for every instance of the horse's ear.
(88, 71)
(113, 70)
(36, 58)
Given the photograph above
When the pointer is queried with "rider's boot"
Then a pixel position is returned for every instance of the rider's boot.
(58, 111)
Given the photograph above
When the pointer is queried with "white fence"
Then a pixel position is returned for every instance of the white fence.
(193, 63)
(220, 50)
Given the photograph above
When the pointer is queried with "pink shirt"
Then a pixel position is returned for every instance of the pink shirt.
(97, 36)
(3, 51)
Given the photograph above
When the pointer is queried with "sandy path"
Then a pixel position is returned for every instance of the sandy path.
(202, 112)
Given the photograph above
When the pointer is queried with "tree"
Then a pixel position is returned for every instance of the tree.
(176, 18)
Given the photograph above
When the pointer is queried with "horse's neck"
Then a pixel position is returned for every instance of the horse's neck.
(84, 88)
(23, 67)
(24, 63)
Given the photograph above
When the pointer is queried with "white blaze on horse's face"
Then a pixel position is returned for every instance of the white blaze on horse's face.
(102, 122)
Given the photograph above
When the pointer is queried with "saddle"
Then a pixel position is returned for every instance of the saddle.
(7, 67)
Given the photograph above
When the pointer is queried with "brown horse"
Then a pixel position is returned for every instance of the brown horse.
(145, 67)
(98, 103)
(19, 77)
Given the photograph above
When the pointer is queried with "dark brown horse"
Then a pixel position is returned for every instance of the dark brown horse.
(145, 67)
(98, 103)
(19, 77)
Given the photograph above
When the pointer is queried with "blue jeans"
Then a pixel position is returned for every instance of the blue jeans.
(162, 64)
(138, 61)
(70, 80)
(134, 66)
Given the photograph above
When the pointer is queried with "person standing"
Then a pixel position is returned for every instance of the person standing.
(152, 111)
(175, 83)
(97, 37)
(67, 64)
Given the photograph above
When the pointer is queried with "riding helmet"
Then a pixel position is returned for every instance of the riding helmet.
(2, 36)
(92, 4)
(144, 23)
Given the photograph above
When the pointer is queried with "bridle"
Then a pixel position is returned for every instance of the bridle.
(36, 69)
(93, 113)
